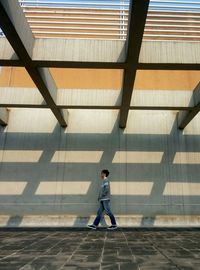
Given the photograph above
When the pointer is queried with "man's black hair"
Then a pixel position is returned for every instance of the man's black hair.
(106, 172)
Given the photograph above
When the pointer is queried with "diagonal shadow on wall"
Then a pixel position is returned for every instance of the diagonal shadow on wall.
(150, 205)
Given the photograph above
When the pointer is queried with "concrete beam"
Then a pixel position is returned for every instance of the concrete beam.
(78, 50)
(18, 33)
(97, 99)
(137, 19)
(185, 117)
(77, 64)
(162, 98)
(45, 83)
(3, 116)
(8, 57)
(88, 97)
(170, 52)
(96, 107)
(11, 63)
(168, 66)
(16, 28)
(21, 97)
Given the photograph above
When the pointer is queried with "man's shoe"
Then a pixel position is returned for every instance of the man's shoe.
(92, 226)
(112, 227)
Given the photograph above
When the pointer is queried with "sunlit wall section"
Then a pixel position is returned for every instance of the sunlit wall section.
(50, 175)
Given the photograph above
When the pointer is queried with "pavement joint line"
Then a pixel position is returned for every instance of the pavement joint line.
(15, 252)
(160, 251)
(31, 245)
(128, 246)
(102, 252)
(42, 255)
(83, 240)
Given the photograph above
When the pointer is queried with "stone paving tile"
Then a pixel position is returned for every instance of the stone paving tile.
(47, 262)
(120, 266)
(15, 262)
(150, 259)
(72, 249)
(86, 266)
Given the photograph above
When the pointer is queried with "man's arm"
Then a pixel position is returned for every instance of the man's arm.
(105, 190)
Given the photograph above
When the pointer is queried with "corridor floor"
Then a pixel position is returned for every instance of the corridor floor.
(137, 248)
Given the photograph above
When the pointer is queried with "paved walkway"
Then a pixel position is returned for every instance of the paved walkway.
(141, 249)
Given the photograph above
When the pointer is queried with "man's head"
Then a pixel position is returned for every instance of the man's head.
(104, 173)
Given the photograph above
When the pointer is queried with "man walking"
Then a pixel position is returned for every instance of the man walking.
(104, 200)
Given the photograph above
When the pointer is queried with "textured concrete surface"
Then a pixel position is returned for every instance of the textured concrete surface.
(170, 52)
(17, 17)
(84, 50)
(136, 249)
(49, 176)
(13, 97)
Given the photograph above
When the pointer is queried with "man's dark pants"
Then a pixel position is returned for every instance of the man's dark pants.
(104, 205)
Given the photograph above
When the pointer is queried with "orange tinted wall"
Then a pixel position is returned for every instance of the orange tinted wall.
(104, 79)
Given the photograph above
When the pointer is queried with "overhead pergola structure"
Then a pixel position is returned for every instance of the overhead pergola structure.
(21, 48)
(137, 19)
(17, 31)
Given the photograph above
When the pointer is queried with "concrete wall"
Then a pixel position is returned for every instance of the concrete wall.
(49, 176)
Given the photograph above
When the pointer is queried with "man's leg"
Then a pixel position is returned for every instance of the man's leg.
(99, 214)
(106, 205)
